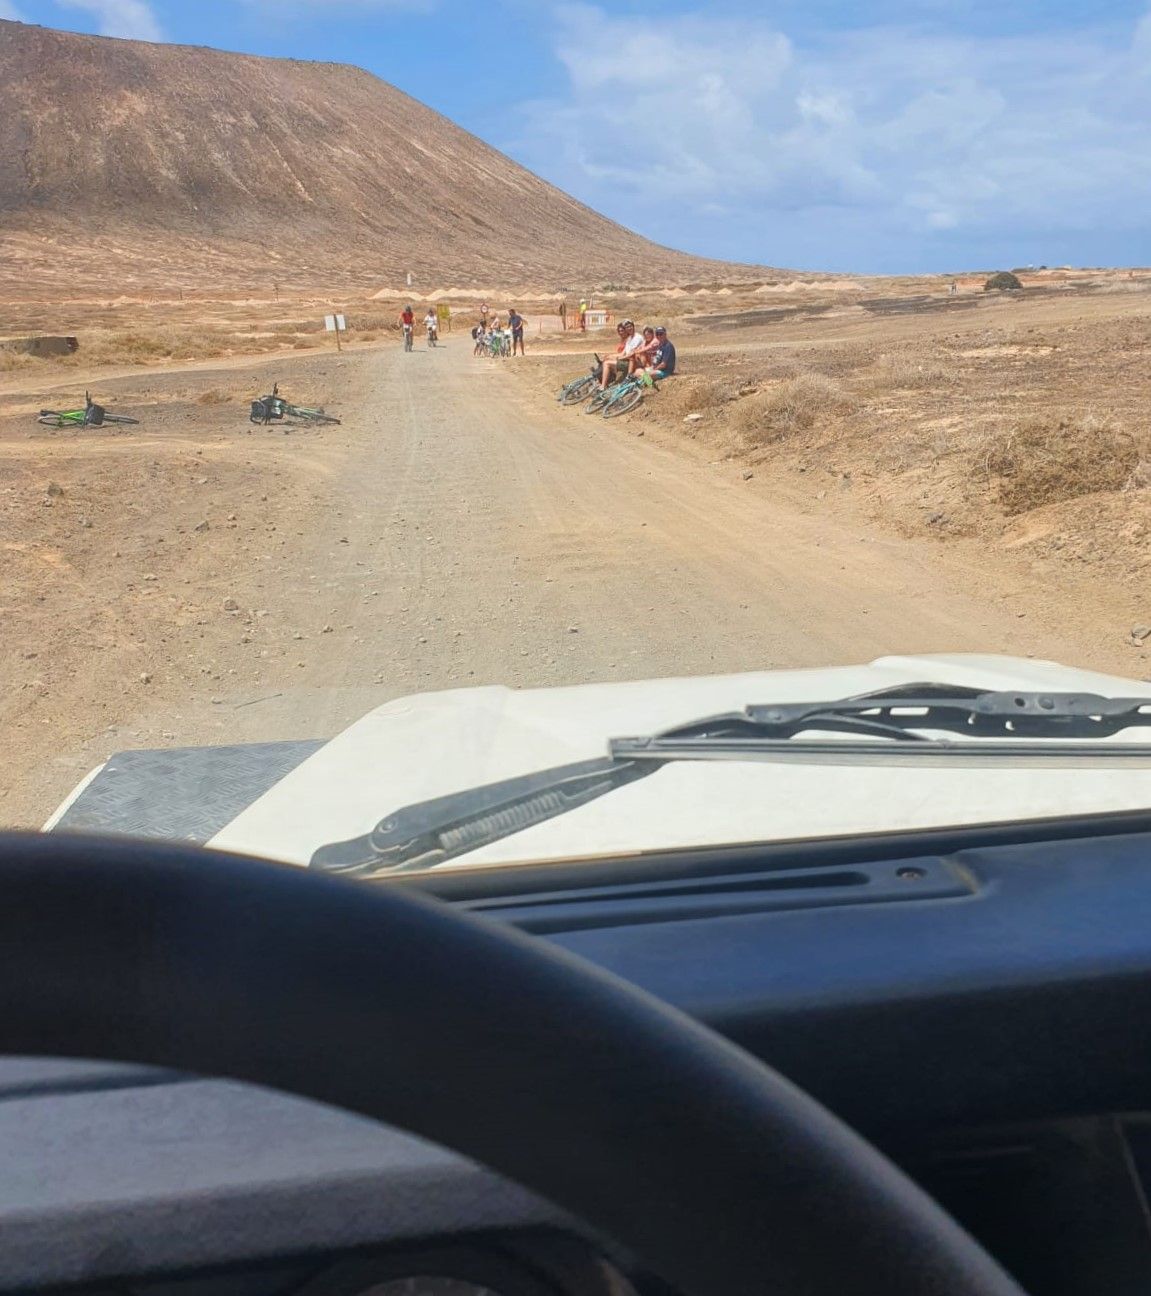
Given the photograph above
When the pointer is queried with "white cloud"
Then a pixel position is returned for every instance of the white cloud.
(328, 8)
(883, 133)
(131, 18)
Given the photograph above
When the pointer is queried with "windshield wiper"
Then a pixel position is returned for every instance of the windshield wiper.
(894, 726)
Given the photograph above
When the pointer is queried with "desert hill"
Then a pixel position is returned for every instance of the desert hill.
(130, 165)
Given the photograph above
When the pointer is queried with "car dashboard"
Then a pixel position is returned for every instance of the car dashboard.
(974, 1002)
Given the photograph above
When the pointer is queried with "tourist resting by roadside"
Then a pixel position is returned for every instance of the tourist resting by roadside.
(516, 324)
(663, 359)
(641, 356)
(618, 367)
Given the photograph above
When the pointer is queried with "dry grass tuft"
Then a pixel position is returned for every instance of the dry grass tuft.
(1045, 461)
(11, 361)
(793, 405)
(700, 394)
(903, 372)
(213, 397)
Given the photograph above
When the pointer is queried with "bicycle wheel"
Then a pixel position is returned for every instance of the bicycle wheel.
(624, 401)
(118, 418)
(598, 401)
(309, 415)
(578, 391)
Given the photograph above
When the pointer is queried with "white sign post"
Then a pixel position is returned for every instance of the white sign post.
(336, 324)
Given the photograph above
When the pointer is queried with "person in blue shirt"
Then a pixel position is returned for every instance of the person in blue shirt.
(663, 360)
(516, 324)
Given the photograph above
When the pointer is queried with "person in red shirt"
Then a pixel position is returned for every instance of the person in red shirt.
(407, 324)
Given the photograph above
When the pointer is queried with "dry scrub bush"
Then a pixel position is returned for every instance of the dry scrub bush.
(10, 361)
(138, 347)
(212, 397)
(1045, 461)
(794, 405)
(697, 395)
(902, 372)
(369, 320)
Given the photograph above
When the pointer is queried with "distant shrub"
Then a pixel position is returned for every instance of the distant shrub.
(1046, 461)
(1004, 281)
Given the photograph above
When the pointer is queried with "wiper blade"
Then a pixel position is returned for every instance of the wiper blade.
(1004, 723)
(995, 727)
(429, 833)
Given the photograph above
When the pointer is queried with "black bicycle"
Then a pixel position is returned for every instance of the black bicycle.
(92, 415)
(273, 408)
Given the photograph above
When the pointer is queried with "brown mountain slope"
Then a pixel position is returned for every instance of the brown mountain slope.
(128, 164)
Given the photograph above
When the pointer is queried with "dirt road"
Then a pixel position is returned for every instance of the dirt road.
(455, 531)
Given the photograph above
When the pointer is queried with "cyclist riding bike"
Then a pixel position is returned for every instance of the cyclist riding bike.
(407, 323)
(432, 325)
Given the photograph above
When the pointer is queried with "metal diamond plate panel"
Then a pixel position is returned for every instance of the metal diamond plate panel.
(186, 794)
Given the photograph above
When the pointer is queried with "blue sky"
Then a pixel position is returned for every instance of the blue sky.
(872, 136)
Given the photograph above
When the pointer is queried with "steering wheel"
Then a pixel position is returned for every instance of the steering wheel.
(718, 1173)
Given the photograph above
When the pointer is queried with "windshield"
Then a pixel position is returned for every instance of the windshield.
(398, 415)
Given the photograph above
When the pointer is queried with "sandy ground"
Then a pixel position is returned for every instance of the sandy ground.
(459, 528)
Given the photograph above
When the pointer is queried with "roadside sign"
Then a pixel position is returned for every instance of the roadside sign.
(336, 324)
(444, 315)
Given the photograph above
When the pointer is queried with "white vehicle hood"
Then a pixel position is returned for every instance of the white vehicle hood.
(429, 745)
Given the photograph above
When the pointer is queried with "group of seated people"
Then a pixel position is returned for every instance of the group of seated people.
(649, 350)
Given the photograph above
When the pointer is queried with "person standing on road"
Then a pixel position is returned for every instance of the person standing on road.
(516, 324)
(484, 315)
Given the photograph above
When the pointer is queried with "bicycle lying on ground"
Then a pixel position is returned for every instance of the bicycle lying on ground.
(579, 389)
(614, 400)
(92, 415)
(272, 408)
(622, 396)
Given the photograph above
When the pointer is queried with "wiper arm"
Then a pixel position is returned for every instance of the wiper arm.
(428, 833)
(887, 725)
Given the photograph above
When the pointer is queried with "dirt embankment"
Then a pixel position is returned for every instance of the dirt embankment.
(1022, 426)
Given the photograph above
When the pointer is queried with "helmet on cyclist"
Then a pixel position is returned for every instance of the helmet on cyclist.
(660, 331)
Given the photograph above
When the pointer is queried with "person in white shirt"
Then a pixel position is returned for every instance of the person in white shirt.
(617, 366)
(432, 324)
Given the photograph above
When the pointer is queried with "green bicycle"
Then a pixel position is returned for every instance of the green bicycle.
(622, 397)
(92, 415)
(579, 389)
